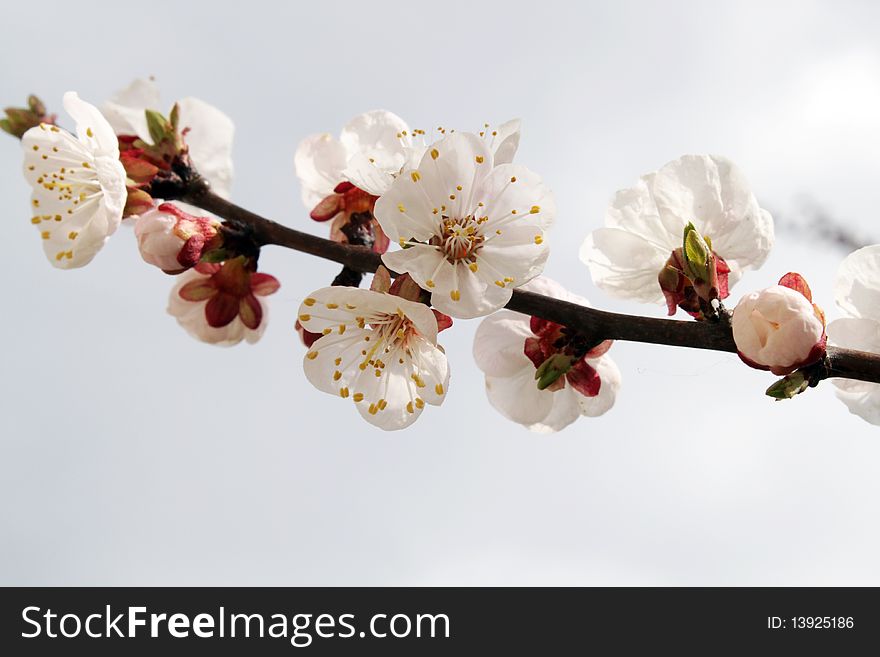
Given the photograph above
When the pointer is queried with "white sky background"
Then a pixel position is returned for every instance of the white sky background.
(131, 454)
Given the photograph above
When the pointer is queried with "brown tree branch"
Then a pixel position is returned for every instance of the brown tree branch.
(595, 324)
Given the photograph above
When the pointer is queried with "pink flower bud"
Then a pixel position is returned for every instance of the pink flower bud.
(173, 240)
(778, 329)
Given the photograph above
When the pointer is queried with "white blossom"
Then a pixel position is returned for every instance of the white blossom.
(857, 292)
(209, 133)
(202, 304)
(78, 183)
(645, 223)
(378, 350)
(499, 350)
(373, 149)
(470, 231)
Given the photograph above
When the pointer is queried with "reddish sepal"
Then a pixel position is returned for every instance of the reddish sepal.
(584, 378)
(798, 283)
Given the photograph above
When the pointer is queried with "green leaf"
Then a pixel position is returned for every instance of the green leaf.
(696, 251)
(215, 256)
(36, 106)
(174, 117)
(6, 126)
(157, 125)
(788, 386)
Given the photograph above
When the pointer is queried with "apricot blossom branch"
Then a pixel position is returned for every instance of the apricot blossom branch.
(598, 325)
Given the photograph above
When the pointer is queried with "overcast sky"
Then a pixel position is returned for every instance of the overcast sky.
(132, 455)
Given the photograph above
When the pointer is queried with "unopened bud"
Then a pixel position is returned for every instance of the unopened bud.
(789, 386)
(158, 126)
(778, 329)
(173, 240)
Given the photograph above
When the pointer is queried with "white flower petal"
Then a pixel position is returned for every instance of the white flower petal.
(381, 136)
(422, 262)
(336, 353)
(125, 111)
(459, 292)
(514, 194)
(857, 287)
(634, 210)
(713, 193)
(565, 410)
(452, 170)
(505, 141)
(855, 333)
(517, 397)
(365, 175)
(92, 228)
(624, 264)
(518, 253)
(609, 375)
(210, 137)
(862, 399)
(499, 344)
(92, 128)
(406, 211)
(319, 161)
(433, 368)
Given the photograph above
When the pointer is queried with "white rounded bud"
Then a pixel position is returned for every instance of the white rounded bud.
(778, 329)
(165, 237)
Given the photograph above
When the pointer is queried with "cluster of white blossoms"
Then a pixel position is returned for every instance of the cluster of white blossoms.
(209, 132)
(469, 226)
(178, 233)
(341, 179)
(82, 190)
(462, 227)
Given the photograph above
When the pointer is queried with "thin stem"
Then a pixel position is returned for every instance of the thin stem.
(595, 324)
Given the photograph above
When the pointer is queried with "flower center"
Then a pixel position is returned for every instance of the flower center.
(460, 239)
(392, 334)
(394, 331)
